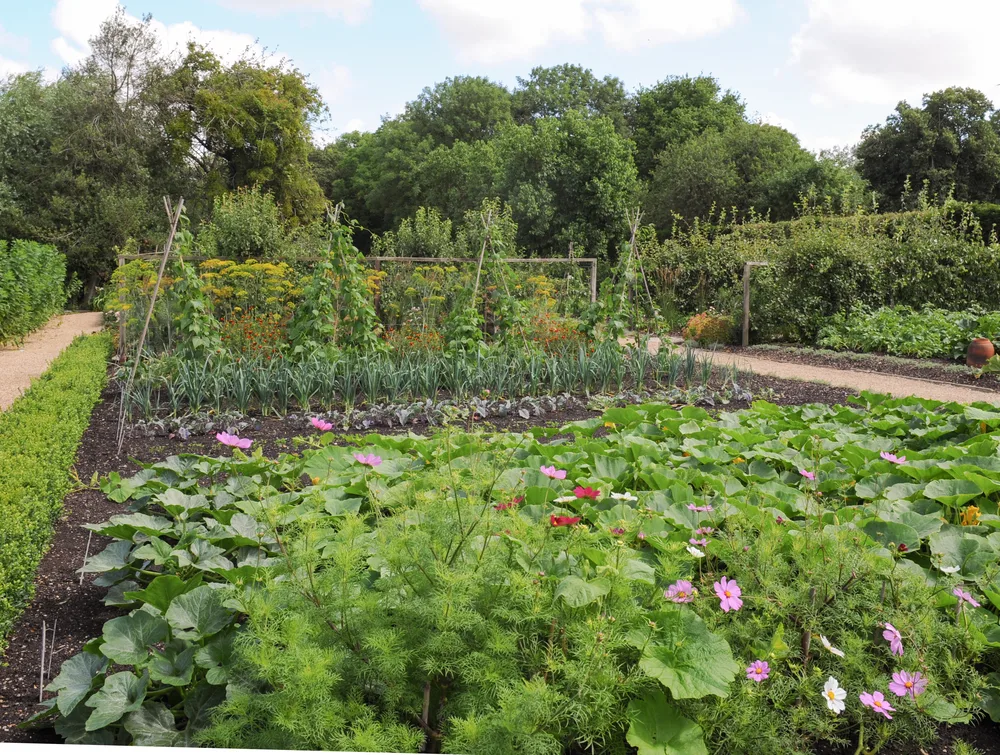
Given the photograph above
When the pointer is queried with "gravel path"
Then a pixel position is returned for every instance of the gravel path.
(875, 382)
(19, 366)
(858, 380)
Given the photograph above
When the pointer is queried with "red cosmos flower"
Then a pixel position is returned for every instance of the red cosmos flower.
(588, 492)
(509, 504)
(562, 521)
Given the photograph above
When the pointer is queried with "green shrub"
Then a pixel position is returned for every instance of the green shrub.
(245, 224)
(31, 287)
(819, 266)
(901, 331)
(39, 435)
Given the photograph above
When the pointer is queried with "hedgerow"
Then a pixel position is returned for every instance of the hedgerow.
(39, 435)
(31, 287)
(819, 266)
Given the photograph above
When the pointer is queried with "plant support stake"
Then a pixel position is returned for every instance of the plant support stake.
(175, 217)
(746, 299)
(86, 553)
(41, 666)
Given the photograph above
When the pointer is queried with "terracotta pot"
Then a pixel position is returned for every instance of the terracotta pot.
(980, 350)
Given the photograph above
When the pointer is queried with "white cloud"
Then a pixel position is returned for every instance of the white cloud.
(859, 51)
(10, 67)
(776, 120)
(646, 23)
(355, 124)
(12, 42)
(352, 11)
(490, 31)
(77, 21)
(333, 82)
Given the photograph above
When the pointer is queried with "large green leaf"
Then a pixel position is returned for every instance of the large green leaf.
(162, 590)
(952, 492)
(686, 658)
(152, 725)
(657, 728)
(956, 547)
(198, 614)
(174, 665)
(122, 693)
(115, 556)
(76, 680)
(578, 592)
(127, 639)
(892, 534)
(609, 467)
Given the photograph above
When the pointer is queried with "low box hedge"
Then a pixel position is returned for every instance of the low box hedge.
(39, 436)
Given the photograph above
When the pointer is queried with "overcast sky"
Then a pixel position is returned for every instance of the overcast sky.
(823, 69)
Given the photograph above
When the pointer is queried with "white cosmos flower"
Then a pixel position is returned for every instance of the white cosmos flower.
(565, 499)
(950, 569)
(695, 552)
(826, 643)
(834, 695)
(624, 497)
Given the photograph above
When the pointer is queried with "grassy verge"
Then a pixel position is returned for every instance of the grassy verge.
(39, 435)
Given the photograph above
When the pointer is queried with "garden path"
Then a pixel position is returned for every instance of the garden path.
(20, 365)
(858, 380)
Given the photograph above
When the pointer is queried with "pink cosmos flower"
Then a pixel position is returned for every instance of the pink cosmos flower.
(895, 639)
(699, 541)
(758, 671)
(588, 492)
(233, 440)
(893, 458)
(617, 530)
(964, 597)
(320, 424)
(369, 460)
(877, 702)
(641, 535)
(729, 595)
(904, 683)
(680, 592)
(706, 507)
(704, 530)
(555, 474)
(807, 475)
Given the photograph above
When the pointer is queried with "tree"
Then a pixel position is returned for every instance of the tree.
(949, 144)
(462, 109)
(752, 166)
(80, 162)
(247, 124)
(568, 179)
(676, 110)
(551, 92)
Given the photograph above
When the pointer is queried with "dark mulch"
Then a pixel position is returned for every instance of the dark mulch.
(77, 611)
(928, 369)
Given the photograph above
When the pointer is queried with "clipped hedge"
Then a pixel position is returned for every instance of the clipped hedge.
(39, 435)
(819, 266)
(31, 287)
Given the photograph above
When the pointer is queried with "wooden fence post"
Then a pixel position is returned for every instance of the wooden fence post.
(593, 281)
(746, 299)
